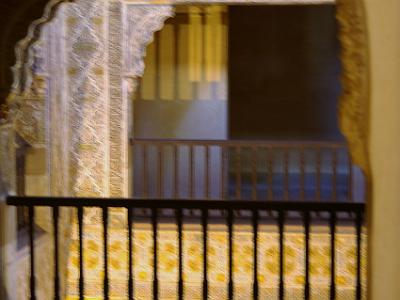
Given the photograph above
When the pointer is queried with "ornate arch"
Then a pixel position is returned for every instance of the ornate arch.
(100, 69)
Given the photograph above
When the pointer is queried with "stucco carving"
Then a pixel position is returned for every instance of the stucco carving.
(86, 82)
(142, 21)
(28, 100)
(57, 108)
(29, 118)
(118, 179)
(7, 158)
(354, 104)
(139, 25)
(24, 46)
(95, 93)
(28, 107)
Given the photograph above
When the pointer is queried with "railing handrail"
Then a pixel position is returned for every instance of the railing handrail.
(186, 204)
(245, 143)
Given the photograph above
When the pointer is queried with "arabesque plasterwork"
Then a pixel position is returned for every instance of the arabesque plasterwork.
(92, 89)
(8, 147)
(141, 22)
(87, 87)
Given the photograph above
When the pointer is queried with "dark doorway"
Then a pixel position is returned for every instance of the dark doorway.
(284, 72)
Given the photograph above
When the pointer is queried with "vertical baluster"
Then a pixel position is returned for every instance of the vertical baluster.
(22, 211)
(223, 170)
(160, 175)
(21, 217)
(191, 172)
(56, 253)
(207, 171)
(332, 226)
(350, 180)
(307, 255)
(155, 252)
(255, 254)
(31, 215)
(281, 220)
(205, 252)
(318, 169)
(139, 89)
(286, 157)
(136, 182)
(130, 250)
(180, 254)
(176, 172)
(238, 173)
(302, 173)
(270, 159)
(81, 253)
(334, 174)
(145, 171)
(254, 173)
(359, 220)
(105, 252)
(230, 251)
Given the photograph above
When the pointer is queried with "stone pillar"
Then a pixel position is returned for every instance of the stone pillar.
(383, 23)
(88, 102)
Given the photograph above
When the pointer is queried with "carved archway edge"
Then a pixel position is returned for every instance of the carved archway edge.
(354, 105)
(354, 102)
(134, 59)
(23, 46)
(22, 75)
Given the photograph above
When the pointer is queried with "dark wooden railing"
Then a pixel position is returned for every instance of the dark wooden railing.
(234, 169)
(278, 212)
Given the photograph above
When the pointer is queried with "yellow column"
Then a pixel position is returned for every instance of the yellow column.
(383, 21)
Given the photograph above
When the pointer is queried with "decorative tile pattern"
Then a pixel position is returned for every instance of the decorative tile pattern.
(268, 261)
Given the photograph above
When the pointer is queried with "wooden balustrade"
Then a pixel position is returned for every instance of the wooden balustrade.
(233, 169)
